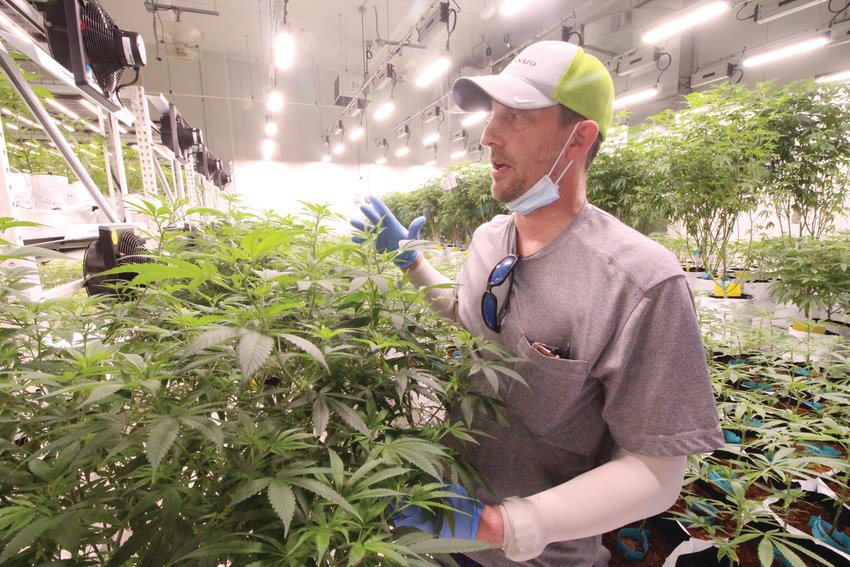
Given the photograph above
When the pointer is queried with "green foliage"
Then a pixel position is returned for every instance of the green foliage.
(811, 273)
(709, 165)
(261, 397)
(619, 178)
(452, 215)
(811, 155)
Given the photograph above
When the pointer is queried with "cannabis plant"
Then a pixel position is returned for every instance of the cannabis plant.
(264, 394)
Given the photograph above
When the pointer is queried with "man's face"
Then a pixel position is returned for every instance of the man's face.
(524, 145)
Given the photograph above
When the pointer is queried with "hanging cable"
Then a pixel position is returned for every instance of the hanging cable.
(741, 9)
(451, 23)
(663, 67)
(838, 12)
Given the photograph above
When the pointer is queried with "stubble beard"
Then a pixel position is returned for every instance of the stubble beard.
(507, 192)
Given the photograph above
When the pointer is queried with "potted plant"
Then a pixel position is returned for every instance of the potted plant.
(709, 161)
(810, 156)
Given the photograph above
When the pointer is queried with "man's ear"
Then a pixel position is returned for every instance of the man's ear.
(583, 139)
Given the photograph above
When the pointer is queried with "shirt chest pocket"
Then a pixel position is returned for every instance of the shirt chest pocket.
(554, 391)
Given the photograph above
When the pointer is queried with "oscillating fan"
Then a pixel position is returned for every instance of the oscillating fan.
(177, 135)
(112, 248)
(84, 39)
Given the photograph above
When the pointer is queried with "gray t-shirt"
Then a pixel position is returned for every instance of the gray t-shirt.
(636, 376)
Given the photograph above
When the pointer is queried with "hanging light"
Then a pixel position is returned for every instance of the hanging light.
(631, 98)
(685, 20)
(434, 71)
(786, 51)
(274, 104)
(326, 158)
(56, 105)
(270, 128)
(384, 111)
(402, 151)
(433, 161)
(284, 47)
(430, 139)
(356, 133)
(839, 77)
(474, 118)
(385, 146)
(269, 147)
(511, 7)
(339, 148)
(458, 153)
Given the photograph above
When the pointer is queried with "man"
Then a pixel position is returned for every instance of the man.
(618, 389)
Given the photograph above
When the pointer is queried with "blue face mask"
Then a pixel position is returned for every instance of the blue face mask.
(545, 191)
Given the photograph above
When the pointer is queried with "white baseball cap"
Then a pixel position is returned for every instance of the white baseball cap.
(544, 74)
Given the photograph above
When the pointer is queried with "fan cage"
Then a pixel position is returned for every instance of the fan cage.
(99, 32)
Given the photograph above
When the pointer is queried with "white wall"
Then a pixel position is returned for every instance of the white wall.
(278, 186)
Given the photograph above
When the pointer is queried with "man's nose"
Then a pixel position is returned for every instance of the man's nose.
(490, 136)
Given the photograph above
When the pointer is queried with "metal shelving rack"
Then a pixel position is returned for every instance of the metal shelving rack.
(21, 31)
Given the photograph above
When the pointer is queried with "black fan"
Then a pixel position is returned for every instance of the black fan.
(177, 135)
(111, 249)
(222, 179)
(206, 164)
(84, 39)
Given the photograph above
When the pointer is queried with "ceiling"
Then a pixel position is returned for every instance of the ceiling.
(224, 91)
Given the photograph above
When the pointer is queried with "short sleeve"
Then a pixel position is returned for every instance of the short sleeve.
(658, 394)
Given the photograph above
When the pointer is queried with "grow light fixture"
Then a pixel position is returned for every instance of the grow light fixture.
(433, 161)
(326, 158)
(769, 10)
(430, 22)
(431, 113)
(459, 135)
(433, 71)
(636, 61)
(458, 153)
(711, 74)
(356, 134)
(339, 127)
(839, 33)
(10, 25)
(270, 129)
(839, 77)
(685, 20)
(268, 148)
(402, 151)
(511, 7)
(11, 126)
(636, 97)
(339, 149)
(384, 76)
(274, 104)
(402, 131)
(430, 139)
(58, 106)
(91, 107)
(474, 118)
(385, 146)
(284, 47)
(383, 112)
(784, 52)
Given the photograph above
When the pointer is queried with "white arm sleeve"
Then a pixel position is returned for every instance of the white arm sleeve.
(442, 300)
(628, 488)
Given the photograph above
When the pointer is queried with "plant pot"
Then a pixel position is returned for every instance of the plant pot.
(731, 313)
(816, 344)
(811, 516)
(49, 191)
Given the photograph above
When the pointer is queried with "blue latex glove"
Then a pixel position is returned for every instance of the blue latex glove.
(391, 232)
(467, 516)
